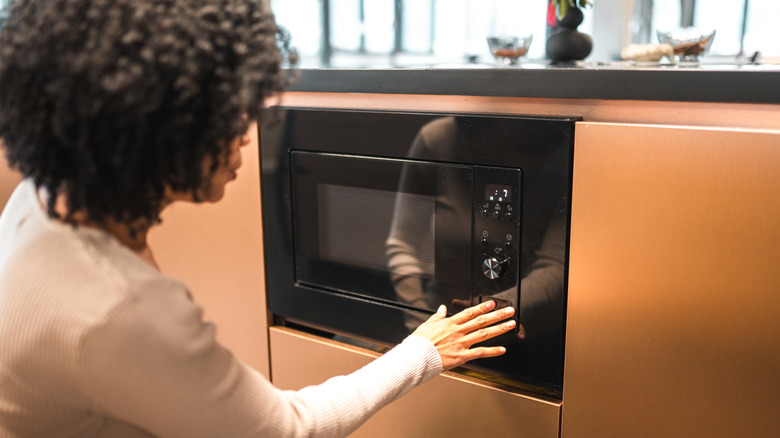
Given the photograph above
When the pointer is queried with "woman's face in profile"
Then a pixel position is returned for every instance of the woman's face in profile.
(213, 188)
(214, 182)
(226, 171)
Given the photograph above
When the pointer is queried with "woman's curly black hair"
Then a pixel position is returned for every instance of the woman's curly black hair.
(111, 101)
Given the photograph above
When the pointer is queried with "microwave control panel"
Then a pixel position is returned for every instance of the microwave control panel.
(497, 224)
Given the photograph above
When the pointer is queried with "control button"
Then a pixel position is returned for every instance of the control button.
(508, 216)
(493, 267)
(496, 214)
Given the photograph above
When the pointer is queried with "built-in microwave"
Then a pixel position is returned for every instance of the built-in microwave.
(374, 219)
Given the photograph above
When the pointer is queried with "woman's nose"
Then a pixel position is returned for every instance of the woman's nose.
(245, 139)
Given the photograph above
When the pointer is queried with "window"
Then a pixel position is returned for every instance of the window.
(743, 27)
(409, 32)
(760, 32)
(406, 31)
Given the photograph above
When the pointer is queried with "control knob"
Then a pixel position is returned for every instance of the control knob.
(494, 267)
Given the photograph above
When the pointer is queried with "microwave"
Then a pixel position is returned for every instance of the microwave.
(373, 219)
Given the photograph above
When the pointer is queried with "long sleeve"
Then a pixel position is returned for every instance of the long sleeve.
(368, 389)
(155, 364)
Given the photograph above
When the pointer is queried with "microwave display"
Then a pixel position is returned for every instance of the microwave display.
(372, 220)
(498, 193)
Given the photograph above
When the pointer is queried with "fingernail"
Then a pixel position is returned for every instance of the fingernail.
(508, 311)
(510, 324)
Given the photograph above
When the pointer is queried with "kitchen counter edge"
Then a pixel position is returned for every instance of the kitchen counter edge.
(736, 85)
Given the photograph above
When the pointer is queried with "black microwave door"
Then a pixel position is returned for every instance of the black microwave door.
(396, 231)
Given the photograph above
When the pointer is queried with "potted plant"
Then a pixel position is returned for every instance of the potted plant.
(562, 6)
(564, 42)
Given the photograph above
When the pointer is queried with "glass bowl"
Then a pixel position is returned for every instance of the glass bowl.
(688, 43)
(507, 49)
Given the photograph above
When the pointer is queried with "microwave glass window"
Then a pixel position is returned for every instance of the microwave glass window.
(411, 241)
(356, 225)
(397, 231)
(498, 193)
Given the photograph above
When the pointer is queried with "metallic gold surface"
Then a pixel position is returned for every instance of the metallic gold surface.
(674, 289)
(447, 406)
(756, 116)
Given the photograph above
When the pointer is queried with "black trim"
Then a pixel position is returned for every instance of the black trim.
(732, 84)
(534, 364)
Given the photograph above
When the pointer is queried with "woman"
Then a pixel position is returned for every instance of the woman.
(113, 110)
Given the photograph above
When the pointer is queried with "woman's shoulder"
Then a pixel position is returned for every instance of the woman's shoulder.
(74, 275)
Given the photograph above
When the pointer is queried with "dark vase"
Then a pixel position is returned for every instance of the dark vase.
(565, 43)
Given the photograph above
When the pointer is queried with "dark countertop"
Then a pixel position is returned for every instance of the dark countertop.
(747, 83)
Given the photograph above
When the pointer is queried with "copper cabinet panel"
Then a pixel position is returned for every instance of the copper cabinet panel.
(447, 406)
(673, 325)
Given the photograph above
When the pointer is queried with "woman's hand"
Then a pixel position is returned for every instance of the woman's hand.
(454, 336)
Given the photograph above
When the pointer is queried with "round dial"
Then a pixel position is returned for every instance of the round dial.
(494, 267)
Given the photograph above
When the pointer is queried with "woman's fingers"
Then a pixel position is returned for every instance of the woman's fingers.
(469, 314)
(483, 352)
(454, 337)
(488, 319)
(483, 334)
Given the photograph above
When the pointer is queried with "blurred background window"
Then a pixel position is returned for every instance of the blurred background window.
(743, 27)
(355, 33)
(424, 32)
(393, 32)
(759, 22)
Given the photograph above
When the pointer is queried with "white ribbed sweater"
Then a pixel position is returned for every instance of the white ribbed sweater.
(94, 342)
